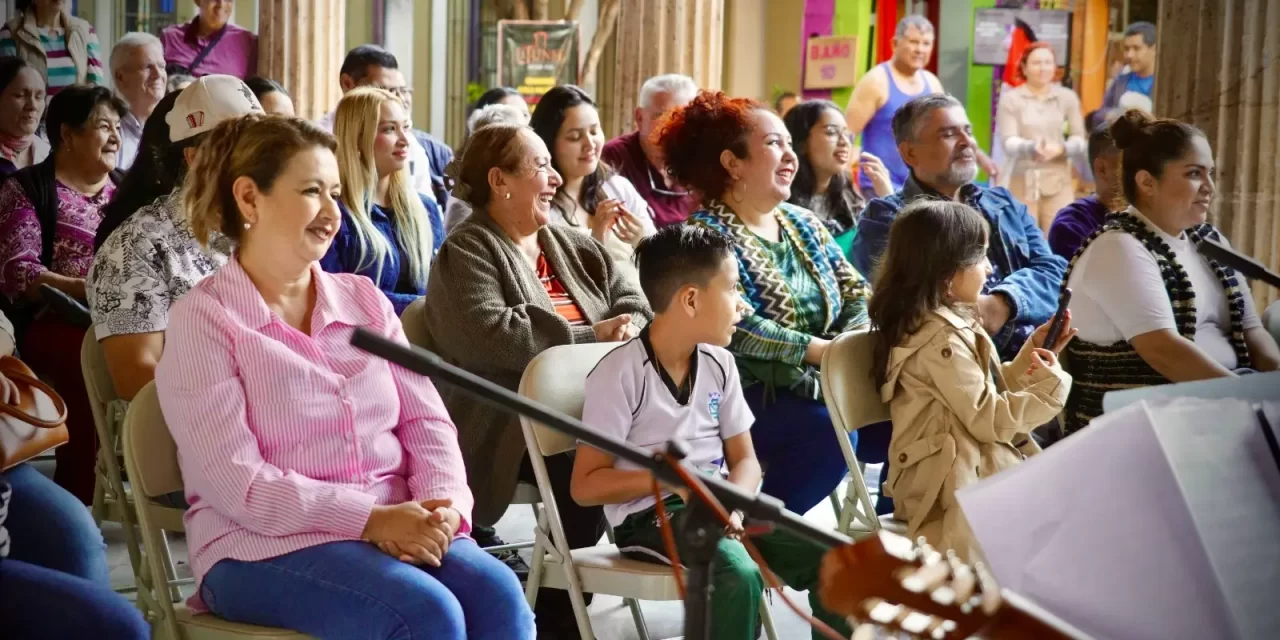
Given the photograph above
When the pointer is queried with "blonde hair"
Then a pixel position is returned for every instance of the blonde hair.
(257, 146)
(355, 124)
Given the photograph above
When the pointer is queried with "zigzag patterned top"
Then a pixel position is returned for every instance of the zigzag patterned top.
(1097, 369)
(770, 335)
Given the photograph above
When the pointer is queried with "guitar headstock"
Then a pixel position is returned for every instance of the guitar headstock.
(885, 581)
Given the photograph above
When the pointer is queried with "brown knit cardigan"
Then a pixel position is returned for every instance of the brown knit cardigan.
(487, 312)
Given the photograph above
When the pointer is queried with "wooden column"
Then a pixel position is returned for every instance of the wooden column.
(663, 36)
(1218, 67)
(1091, 71)
(301, 44)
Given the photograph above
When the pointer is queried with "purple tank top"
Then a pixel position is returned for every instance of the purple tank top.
(877, 137)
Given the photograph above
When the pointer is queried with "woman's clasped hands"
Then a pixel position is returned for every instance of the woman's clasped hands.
(414, 532)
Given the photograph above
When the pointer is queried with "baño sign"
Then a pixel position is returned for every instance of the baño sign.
(831, 62)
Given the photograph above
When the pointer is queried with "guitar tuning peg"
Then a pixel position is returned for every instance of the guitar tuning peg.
(864, 631)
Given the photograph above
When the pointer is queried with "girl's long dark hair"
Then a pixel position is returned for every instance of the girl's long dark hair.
(155, 172)
(842, 199)
(928, 243)
(546, 122)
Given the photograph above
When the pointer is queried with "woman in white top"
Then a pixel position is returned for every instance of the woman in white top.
(1149, 307)
(592, 198)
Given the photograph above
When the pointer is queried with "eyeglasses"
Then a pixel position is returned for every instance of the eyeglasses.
(835, 132)
(399, 92)
(653, 185)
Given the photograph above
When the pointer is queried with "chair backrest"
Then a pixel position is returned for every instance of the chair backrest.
(1271, 320)
(148, 443)
(414, 322)
(851, 394)
(556, 378)
(97, 378)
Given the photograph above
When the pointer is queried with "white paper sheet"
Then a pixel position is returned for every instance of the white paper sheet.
(1159, 521)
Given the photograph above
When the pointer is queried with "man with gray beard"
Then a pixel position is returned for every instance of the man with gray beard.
(936, 142)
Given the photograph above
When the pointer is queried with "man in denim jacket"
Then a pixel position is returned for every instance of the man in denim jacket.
(936, 141)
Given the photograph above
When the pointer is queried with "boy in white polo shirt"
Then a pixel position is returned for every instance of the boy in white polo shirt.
(677, 380)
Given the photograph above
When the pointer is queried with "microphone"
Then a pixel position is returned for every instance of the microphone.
(1250, 268)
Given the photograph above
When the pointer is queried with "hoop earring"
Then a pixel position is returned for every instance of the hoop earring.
(733, 193)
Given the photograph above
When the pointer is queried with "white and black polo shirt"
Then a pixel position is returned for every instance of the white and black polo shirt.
(629, 396)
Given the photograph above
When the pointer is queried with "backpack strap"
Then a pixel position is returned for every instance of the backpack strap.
(208, 48)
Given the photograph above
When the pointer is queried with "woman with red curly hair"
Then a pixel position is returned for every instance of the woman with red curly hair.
(1031, 124)
(803, 292)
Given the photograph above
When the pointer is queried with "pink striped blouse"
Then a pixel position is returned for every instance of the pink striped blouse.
(285, 440)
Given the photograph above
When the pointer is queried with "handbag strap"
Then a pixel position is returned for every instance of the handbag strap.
(36, 384)
(208, 48)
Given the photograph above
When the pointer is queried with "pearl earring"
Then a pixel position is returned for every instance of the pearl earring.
(507, 196)
(247, 225)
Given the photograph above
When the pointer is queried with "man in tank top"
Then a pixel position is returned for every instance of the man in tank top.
(888, 86)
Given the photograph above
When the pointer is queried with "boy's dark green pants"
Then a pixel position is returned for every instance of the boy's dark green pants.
(737, 582)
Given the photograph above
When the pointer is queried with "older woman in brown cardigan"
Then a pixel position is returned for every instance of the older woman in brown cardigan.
(506, 286)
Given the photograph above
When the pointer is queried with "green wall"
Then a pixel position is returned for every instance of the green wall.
(853, 17)
(981, 90)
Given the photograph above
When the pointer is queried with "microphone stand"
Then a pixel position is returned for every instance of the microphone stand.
(1248, 267)
(701, 531)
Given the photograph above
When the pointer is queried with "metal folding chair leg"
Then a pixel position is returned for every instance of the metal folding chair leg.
(638, 616)
(766, 618)
(171, 571)
(857, 505)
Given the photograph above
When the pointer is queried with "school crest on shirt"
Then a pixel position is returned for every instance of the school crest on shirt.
(713, 404)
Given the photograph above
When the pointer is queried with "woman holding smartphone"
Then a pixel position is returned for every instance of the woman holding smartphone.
(592, 198)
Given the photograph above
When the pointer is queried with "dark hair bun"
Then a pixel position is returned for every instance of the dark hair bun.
(1130, 127)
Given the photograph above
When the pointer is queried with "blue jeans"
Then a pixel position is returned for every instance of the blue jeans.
(873, 448)
(51, 528)
(36, 602)
(353, 590)
(797, 447)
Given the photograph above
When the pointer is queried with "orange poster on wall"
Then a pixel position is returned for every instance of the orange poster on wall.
(831, 62)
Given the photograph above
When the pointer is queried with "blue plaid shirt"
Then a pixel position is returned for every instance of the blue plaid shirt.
(1023, 269)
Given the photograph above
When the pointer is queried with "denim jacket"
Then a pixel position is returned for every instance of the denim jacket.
(1024, 270)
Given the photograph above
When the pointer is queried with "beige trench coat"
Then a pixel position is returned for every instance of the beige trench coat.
(959, 415)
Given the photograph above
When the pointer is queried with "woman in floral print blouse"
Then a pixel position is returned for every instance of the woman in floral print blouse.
(55, 247)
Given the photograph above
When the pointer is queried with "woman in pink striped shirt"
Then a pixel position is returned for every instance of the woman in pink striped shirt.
(327, 490)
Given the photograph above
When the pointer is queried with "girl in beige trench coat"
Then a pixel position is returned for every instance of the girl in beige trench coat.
(958, 413)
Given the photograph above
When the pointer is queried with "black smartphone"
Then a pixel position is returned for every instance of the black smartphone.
(1055, 327)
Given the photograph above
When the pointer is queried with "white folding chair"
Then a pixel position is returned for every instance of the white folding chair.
(1271, 320)
(556, 378)
(111, 497)
(853, 400)
(414, 323)
(415, 330)
(151, 458)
